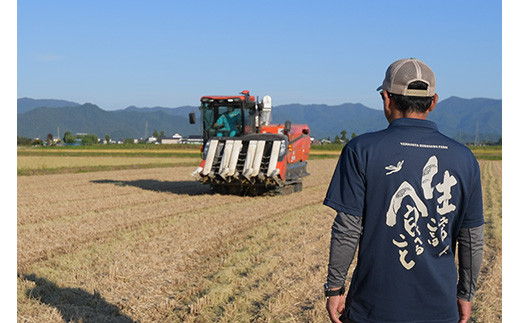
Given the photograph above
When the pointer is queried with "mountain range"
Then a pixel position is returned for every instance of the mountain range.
(462, 119)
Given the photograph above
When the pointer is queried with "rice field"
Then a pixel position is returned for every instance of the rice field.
(153, 245)
(63, 163)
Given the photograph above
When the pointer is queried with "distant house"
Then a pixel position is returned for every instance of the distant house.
(175, 139)
(151, 140)
(169, 141)
(193, 140)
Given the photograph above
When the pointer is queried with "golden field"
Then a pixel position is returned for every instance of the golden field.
(53, 162)
(153, 245)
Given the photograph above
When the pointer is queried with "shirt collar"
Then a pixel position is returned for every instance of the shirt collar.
(410, 122)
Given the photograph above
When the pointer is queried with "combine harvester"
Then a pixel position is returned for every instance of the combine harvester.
(244, 154)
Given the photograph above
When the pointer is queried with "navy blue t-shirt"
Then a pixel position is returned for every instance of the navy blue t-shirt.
(415, 188)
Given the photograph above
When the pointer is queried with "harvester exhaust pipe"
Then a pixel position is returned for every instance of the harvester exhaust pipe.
(287, 127)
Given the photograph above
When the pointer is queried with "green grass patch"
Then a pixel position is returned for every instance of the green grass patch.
(120, 146)
(323, 156)
(328, 147)
(488, 157)
(487, 152)
(487, 148)
(99, 153)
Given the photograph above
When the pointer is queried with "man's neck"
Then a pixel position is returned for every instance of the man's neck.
(412, 115)
(415, 115)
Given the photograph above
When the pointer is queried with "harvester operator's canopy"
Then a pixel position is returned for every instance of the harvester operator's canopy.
(229, 122)
(225, 119)
(228, 116)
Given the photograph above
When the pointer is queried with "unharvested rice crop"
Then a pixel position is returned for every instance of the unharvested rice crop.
(153, 245)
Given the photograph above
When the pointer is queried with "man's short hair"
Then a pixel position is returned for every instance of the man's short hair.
(407, 103)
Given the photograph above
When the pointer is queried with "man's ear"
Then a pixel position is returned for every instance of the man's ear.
(386, 103)
(434, 103)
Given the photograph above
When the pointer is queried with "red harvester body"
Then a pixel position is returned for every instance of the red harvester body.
(244, 153)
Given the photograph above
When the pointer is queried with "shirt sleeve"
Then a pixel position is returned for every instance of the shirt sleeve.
(346, 191)
(471, 249)
(345, 235)
(474, 215)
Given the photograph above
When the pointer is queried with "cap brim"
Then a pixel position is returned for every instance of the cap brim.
(379, 88)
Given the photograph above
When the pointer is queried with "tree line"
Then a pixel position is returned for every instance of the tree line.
(82, 139)
(341, 138)
(68, 138)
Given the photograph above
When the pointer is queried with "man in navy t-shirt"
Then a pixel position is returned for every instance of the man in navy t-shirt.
(405, 195)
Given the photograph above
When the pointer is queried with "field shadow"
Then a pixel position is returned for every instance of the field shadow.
(74, 304)
(177, 187)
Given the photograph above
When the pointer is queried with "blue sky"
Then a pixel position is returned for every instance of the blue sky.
(170, 53)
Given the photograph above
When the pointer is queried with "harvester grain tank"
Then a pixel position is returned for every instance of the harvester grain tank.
(244, 153)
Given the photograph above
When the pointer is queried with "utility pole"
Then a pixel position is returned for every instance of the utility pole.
(476, 135)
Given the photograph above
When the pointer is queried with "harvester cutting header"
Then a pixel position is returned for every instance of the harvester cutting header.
(244, 153)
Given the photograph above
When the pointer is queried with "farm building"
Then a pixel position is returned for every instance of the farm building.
(175, 139)
(195, 140)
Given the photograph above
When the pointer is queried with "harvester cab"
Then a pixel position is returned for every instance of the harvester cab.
(244, 153)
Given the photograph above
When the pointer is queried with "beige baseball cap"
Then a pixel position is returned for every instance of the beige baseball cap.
(405, 71)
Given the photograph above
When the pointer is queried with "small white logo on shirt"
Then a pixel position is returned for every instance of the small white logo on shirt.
(410, 144)
(394, 169)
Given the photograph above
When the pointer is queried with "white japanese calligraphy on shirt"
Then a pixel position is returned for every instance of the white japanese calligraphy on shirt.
(417, 211)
